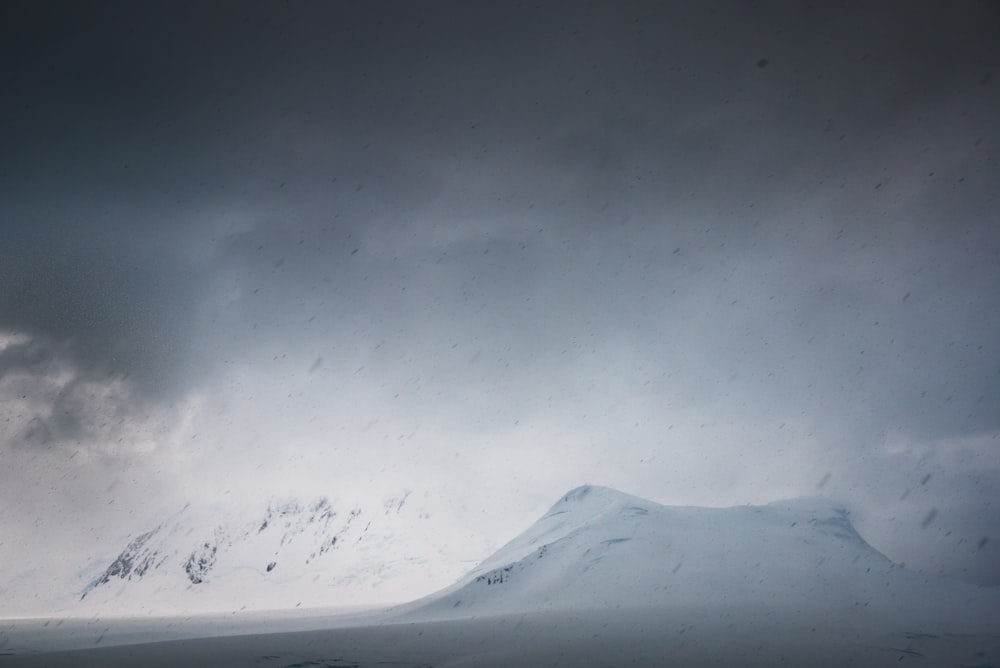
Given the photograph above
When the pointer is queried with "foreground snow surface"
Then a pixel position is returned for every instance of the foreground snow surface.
(602, 579)
(644, 637)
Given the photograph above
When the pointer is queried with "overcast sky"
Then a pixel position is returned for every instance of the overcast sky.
(705, 253)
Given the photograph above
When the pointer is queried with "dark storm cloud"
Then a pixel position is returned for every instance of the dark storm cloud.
(118, 136)
(592, 215)
(647, 136)
(119, 307)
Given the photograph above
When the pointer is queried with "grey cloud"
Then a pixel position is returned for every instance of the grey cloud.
(114, 303)
(23, 356)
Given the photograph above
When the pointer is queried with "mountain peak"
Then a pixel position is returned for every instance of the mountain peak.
(594, 500)
(579, 493)
(585, 493)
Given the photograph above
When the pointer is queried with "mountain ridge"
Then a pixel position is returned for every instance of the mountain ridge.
(598, 548)
(288, 552)
(149, 551)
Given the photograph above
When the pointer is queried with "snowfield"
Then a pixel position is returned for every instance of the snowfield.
(602, 579)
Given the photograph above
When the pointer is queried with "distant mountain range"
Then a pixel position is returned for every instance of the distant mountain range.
(602, 578)
(285, 531)
(288, 553)
(595, 549)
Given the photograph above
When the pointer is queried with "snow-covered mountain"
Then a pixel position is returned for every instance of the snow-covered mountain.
(601, 549)
(602, 579)
(284, 554)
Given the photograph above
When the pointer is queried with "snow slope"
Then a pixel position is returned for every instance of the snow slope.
(280, 554)
(597, 548)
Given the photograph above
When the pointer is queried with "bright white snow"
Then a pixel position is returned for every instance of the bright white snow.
(283, 553)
